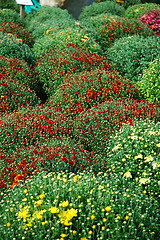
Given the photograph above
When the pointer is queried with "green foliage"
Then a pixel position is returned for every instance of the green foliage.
(102, 7)
(140, 9)
(82, 206)
(47, 17)
(149, 82)
(10, 15)
(10, 46)
(131, 55)
(118, 28)
(150, 1)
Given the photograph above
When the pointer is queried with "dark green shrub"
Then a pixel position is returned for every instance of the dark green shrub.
(149, 82)
(9, 4)
(10, 46)
(45, 18)
(131, 55)
(102, 7)
(150, 1)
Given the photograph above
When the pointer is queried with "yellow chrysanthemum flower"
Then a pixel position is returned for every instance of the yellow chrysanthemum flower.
(39, 202)
(128, 175)
(148, 158)
(64, 204)
(54, 209)
(108, 208)
(75, 178)
(63, 235)
(41, 196)
(138, 156)
(24, 212)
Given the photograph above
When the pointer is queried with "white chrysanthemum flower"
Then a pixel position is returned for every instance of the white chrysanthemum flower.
(154, 165)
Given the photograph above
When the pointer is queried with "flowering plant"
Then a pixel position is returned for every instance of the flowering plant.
(79, 206)
(10, 46)
(127, 3)
(14, 94)
(79, 92)
(94, 22)
(32, 125)
(19, 70)
(118, 28)
(17, 30)
(94, 126)
(77, 35)
(138, 10)
(54, 65)
(149, 82)
(152, 19)
(85, 165)
(47, 17)
(10, 15)
(135, 150)
(59, 155)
